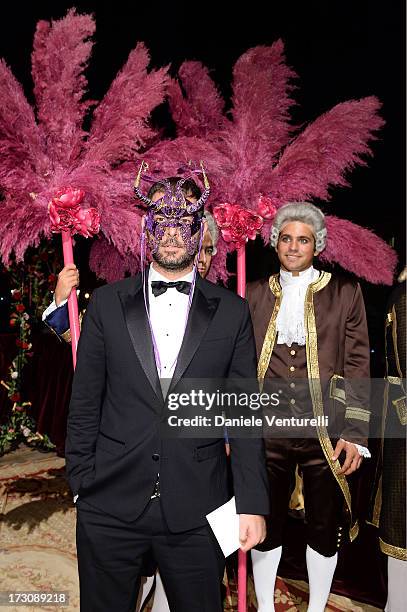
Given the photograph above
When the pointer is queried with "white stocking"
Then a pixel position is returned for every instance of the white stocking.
(320, 575)
(160, 599)
(265, 565)
(145, 588)
(397, 584)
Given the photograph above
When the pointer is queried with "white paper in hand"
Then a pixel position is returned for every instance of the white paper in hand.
(225, 525)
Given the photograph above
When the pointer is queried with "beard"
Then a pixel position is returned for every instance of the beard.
(173, 262)
(182, 262)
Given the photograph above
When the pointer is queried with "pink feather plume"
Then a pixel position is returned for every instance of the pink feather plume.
(329, 147)
(200, 111)
(255, 155)
(245, 156)
(262, 97)
(107, 263)
(120, 127)
(40, 158)
(61, 53)
(359, 250)
(22, 149)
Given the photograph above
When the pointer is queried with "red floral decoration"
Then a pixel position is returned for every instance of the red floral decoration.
(266, 208)
(67, 215)
(237, 224)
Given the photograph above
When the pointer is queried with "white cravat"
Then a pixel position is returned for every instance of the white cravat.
(290, 318)
(168, 313)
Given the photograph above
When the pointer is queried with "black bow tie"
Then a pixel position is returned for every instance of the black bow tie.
(160, 287)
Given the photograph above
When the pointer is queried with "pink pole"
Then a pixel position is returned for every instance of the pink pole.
(72, 300)
(241, 271)
(242, 561)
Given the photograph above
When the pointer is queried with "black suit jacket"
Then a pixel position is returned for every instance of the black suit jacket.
(114, 449)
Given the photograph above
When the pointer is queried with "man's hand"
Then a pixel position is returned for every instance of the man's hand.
(353, 459)
(252, 530)
(67, 279)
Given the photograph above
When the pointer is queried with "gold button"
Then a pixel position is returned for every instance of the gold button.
(292, 401)
(340, 528)
(292, 352)
(292, 368)
(292, 385)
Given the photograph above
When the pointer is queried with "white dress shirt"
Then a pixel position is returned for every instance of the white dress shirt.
(168, 317)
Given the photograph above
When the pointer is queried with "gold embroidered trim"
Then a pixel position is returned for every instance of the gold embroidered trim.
(316, 392)
(378, 498)
(395, 380)
(275, 286)
(395, 344)
(393, 551)
(354, 531)
(361, 414)
(400, 406)
(377, 505)
(67, 336)
(334, 392)
(270, 337)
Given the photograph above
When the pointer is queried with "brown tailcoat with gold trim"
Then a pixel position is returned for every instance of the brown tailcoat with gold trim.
(337, 349)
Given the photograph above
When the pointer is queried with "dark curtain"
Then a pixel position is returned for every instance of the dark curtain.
(47, 380)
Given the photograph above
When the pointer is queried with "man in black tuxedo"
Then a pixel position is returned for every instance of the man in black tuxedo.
(137, 491)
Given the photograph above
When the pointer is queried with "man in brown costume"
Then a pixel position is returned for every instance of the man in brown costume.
(310, 325)
(389, 508)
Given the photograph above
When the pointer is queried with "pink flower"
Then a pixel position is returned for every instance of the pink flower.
(86, 221)
(237, 224)
(222, 214)
(66, 214)
(69, 197)
(266, 207)
(61, 219)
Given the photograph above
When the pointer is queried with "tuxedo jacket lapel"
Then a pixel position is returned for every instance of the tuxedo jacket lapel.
(200, 316)
(139, 330)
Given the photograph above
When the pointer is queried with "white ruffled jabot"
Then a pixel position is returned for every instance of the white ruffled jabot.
(290, 318)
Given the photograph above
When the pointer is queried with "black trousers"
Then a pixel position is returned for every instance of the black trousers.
(110, 560)
(323, 500)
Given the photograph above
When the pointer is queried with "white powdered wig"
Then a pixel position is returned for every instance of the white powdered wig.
(305, 213)
(212, 229)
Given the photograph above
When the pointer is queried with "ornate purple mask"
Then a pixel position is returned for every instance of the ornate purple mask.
(173, 210)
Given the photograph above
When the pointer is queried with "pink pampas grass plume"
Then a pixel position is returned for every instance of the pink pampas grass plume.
(120, 126)
(60, 55)
(359, 250)
(326, 150)
(110, 265)
(41, 157)
(200, 111)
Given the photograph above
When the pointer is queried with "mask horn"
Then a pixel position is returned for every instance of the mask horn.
(139, 195)
(205, 194)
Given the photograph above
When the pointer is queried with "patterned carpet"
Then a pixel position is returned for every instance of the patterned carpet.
(37, 535)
